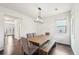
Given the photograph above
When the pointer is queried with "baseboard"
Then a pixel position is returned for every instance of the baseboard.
(64, 44)
(72, 50)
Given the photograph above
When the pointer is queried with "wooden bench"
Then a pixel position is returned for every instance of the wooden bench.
(46, 48)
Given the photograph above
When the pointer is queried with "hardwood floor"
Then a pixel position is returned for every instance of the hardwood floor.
(1, 52)
(61, 49)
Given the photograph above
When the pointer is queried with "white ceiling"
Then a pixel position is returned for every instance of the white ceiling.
(31, 9)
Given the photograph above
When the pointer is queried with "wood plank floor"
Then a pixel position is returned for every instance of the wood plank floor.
(1, 52)
(61, 49)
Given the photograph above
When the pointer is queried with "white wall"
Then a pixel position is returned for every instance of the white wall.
(26, 23)
(1, 35)
(75, 28)
(64, 37)
(50, 26)
(28, 26)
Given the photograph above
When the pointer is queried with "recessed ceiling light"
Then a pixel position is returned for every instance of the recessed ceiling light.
(56, 9)
(39, 8)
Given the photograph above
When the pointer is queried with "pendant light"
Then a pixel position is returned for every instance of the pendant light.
(39, 18)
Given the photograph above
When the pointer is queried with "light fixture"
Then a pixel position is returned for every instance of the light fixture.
(39, 18)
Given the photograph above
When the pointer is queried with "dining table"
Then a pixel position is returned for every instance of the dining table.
(39, 40)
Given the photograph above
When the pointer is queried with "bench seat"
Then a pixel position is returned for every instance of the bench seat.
(46, 48)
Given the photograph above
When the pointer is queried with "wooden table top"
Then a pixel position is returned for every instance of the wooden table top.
(39, 40)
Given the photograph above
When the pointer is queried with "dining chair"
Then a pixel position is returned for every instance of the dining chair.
(31, 35)
(28, 47)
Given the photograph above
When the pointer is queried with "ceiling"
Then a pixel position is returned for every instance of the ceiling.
(31, 9)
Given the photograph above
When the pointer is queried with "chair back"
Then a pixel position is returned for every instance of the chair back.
(25, 45)
(31, 35)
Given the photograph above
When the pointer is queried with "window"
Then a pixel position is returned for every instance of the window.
(61, 26)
